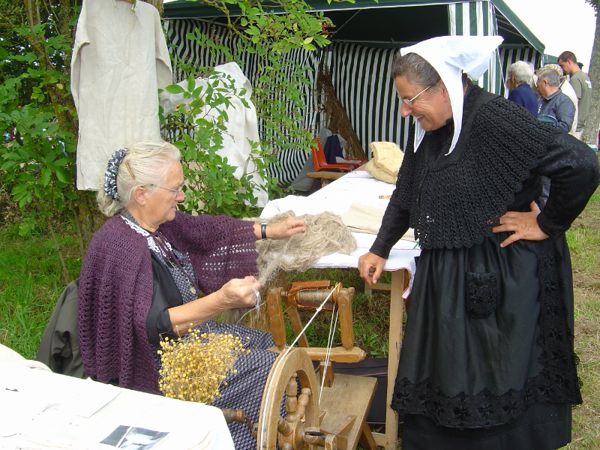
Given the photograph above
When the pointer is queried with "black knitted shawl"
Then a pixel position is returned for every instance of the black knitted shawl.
(454, 202)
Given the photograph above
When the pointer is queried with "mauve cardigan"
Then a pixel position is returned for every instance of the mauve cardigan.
(116, 288)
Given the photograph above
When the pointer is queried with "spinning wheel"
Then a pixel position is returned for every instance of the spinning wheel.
(293, 375)
(339, 420)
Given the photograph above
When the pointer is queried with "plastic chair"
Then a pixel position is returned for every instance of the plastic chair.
(320, 162)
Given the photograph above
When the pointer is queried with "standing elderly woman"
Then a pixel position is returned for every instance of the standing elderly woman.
(487, 361)
(519, 81)
(145, 272)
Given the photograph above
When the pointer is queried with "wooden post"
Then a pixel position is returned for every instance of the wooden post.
(389, 440)
(276, 322)
(395, 341)
(344, 302)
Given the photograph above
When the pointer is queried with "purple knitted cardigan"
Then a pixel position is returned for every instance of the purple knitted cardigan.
(116, 286)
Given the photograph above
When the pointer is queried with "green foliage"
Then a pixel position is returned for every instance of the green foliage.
(595, 4)
(37, 166)
(198, 126)
(280, 82)
(30, 283)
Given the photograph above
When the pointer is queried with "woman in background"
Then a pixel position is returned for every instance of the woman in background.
(519, 81)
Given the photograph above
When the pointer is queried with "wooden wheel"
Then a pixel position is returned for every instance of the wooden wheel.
(299, 428)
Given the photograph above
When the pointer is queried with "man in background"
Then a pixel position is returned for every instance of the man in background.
(582, 85)
(555, 107)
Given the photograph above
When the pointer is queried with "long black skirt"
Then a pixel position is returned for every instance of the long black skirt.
(541, 427)
(488, 344)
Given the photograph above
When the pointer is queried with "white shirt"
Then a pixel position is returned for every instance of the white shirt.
(119, 61)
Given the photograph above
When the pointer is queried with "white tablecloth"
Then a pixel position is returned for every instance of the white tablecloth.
(337, 197)
(44, 410)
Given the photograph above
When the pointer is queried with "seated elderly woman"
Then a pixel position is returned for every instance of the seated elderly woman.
(151, 271)
(519, 81)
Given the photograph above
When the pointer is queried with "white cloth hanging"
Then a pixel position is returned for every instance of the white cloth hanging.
(242, 126)
(120, 59)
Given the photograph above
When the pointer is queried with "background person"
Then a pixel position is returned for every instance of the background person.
(487, 358)
(152, 272)
(519, 80)
(555, 107)
(581, 83)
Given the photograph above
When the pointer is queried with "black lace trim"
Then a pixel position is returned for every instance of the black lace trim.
(557, 382)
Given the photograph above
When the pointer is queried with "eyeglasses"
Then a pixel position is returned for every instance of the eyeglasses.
(410, 102)
(174, 191)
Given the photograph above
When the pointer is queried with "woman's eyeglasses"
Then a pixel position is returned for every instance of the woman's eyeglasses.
(174, 191)
(410, 102)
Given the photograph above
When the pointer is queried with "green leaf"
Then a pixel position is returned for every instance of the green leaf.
(174, 89)
(61, 175)
(45, 178)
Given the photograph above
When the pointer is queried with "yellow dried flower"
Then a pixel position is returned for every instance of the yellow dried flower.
(194, 367)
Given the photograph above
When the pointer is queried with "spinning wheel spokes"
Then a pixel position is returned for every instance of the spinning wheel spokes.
(300, 427)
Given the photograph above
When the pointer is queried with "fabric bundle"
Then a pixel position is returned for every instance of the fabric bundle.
(385, 162)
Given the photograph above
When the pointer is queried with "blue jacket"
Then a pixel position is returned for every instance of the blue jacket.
(524, 96)
(560, 107)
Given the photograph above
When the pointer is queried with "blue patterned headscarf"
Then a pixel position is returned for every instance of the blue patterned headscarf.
(110, 176)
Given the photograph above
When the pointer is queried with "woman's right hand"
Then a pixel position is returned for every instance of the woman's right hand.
(239, 293)
(370, 267)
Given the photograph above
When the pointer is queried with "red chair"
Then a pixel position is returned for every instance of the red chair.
(320, 162)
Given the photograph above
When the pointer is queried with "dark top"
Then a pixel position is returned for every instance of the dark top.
(524, 96)
(489, 331)
(453, 201)
(116, 288)
(560, 107)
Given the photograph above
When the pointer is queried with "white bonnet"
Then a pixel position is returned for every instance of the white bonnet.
(451, 56)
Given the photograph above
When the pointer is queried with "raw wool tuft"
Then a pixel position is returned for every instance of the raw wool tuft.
(325, 234)
(386, 161)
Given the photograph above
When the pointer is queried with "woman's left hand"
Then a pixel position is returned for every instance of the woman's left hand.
(524, 225)
(285, 228)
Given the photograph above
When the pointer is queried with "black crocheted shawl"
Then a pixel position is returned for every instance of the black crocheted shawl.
(454, 202)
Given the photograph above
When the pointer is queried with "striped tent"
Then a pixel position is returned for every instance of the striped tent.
(365, 40)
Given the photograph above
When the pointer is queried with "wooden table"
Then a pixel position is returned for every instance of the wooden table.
(336, 197)
(325, 176)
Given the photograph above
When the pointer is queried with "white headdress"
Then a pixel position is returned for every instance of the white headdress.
(450, 56)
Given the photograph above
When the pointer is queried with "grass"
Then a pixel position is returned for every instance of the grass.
(31, 281)
(584, 242)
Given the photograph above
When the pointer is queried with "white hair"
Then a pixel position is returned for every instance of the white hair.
(146, 164)
(550, 75)
(521, 72)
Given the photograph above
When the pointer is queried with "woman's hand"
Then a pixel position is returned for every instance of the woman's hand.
(285, 228)
(239, 293)
(524, 225)
(236, 293)
(370, 267)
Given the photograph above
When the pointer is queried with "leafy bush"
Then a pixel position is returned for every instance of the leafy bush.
(197, 127)
(37, 163)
